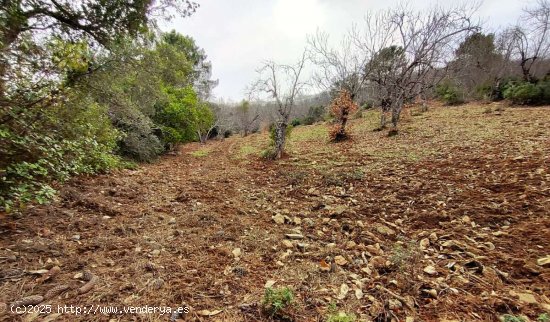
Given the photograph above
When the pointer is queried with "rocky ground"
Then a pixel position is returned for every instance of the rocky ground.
(447, 221)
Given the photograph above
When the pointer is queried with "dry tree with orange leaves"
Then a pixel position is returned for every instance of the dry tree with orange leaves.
(341, 108)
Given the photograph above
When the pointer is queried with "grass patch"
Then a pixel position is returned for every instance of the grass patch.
(309, 133)
(200, 153)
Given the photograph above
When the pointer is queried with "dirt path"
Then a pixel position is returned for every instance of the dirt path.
(446, 221)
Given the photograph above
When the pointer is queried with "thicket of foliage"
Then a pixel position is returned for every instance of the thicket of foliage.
(449, 93)
(95, 87)
(528, 93)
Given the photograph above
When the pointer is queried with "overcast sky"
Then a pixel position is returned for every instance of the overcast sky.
(238, 34)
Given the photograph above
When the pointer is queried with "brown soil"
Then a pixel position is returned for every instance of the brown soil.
(475, 184)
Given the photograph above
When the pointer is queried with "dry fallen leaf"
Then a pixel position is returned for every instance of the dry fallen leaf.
(324, 266)
(344, 289)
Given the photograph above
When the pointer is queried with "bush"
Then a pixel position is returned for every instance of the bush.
(44, 145)
(276, 301)
(524, 93)
(295, 122)
(485, 92)
(270, 152)
(178, 115)
(449, 94)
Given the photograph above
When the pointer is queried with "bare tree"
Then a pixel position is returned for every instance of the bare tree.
(338, 68)
(283, 83)
(424, 41)
(246, 117)
(530, 38)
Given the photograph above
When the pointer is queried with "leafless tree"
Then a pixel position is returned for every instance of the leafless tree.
(338, 67)
(530, 38)
(283, 84)
(425, 40)
(246, 117)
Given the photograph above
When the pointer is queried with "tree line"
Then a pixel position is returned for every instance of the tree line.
(401, 56)
(90, 86)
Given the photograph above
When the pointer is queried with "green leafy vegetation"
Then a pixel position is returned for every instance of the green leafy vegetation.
(449, 93)
(526, 93)
(113, 93)
(277, 300)
(512, 318)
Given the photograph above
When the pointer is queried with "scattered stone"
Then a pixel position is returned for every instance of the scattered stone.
(359, 293)
(527, 298)
(75, 237)
(278, 219)
(489, 246)
(544, 261)
(375, 249)
(466, 220)
(394, 304)
(350, 245)
(339, 210)
(287, 243)
(431, 292)
(344, 289)
(297, 221)
(294, 236)
(106, 217)
(302, 246)
(269, 283)
(424, 243)
(155, 252)
(378, 262)
(340, 260)
(433, 237)
(236, 252)
(430, 270)
(385, 230)
(172, 221)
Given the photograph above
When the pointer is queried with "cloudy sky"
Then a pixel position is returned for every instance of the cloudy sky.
(238, 34)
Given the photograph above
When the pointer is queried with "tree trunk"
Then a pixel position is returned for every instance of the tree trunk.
(280, 138)
(395, 114)
(526, 70)
(382, 118)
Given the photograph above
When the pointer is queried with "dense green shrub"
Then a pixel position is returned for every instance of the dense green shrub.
(177, 115)
(270, 151)
(46, 145)
(295, 122)
(449, 93)
(523, 93)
